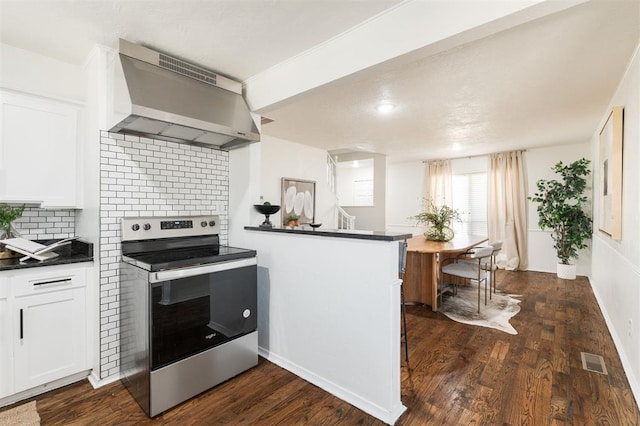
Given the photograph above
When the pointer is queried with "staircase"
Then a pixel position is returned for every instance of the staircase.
(344, 220)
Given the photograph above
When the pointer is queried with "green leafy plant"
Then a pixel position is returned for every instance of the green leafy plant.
(561, 208)
(438, 219)
(7, 215)
(292, 217)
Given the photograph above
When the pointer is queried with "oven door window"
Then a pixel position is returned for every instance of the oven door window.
(190, 315)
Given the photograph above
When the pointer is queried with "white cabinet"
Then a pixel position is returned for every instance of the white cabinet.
(6, 342)
(48, 338)
(38, 150)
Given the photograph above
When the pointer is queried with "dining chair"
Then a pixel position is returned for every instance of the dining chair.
(492, 266)
(469, 266)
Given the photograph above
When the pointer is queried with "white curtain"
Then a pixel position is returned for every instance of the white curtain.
(438, 182)
(507, 208)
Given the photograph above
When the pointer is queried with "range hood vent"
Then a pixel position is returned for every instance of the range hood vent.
(161, 97)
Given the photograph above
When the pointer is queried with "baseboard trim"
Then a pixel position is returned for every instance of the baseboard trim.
(387, 416)
(97, 382)
(26, 394)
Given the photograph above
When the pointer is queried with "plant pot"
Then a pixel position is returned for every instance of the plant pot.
(566, 272)
(439, 234)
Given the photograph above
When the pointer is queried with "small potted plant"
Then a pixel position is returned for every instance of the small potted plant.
(292, 220)
(438, 220)
(7, 215)
(561, 209)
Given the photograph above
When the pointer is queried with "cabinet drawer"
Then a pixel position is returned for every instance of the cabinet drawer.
(49, 280)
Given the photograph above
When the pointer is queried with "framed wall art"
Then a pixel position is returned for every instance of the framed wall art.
(298, 202)
(610, 167)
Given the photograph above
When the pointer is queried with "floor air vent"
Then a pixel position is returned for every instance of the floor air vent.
(594, 363)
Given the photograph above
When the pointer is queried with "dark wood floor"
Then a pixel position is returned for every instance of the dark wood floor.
(460, 375)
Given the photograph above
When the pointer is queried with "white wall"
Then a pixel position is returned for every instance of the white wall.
(352, 177)
(370, 218)
(404, 196)
(475, 164)
(538, 163)
(256, 171)
(281, 158)
(616, 264)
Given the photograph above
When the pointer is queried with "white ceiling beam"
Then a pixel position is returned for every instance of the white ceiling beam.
(419, 27)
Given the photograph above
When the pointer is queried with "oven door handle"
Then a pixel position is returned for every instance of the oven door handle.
(174, 274)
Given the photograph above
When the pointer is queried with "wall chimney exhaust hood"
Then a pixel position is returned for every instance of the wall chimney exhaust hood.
(161, 97)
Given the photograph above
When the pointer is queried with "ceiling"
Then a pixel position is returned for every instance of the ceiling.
(542, 83)
(547, 81)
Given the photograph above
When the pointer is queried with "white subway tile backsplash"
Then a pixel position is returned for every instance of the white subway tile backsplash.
(146, 177)
(41, 224)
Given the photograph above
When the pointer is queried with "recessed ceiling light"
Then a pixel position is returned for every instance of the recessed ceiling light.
(385, 107)
(456, 146)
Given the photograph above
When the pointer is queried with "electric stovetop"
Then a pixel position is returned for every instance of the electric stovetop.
(184, 258)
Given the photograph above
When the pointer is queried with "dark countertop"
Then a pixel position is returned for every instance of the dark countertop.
(76, 252)
(339, 233)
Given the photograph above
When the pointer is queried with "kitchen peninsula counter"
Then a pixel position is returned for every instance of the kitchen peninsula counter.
(339, 233)
(329, 310)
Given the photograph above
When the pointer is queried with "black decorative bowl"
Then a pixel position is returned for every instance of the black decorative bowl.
(315, 225)
(266, 210)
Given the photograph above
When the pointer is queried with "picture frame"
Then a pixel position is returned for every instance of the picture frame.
(610, 168)
(299, 198)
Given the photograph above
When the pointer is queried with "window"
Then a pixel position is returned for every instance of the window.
(470, 199)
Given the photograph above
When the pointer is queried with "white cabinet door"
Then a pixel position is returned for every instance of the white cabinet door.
(50, 339)
(38, 150)
(47, 307)
(6, 342)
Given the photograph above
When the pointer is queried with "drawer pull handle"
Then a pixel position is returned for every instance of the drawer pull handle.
(53, 281)
(21, 326)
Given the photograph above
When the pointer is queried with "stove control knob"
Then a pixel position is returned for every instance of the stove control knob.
(212, 223)
(246, 313)
(203, 223)
(135, 227)
(146, 226)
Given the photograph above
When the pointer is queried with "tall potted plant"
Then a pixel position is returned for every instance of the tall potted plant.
(561, 209)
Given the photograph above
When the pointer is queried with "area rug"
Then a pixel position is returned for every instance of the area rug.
(22, 415)
(463, 307)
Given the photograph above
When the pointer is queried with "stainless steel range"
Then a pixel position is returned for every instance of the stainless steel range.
(188, 317)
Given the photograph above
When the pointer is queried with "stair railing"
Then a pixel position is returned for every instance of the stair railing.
(344, 219)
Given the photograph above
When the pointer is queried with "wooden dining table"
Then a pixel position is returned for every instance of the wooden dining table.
(420, 282)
